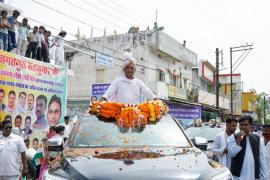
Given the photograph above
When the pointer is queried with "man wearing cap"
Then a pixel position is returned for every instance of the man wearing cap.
(12, 152)
(127, 89)
(266, 138)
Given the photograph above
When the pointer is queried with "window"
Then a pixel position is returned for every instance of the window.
(172, 80)
(100, 76)
(161, 76)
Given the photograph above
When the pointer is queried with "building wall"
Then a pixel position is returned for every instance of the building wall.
(207, 93)
(225, 90)
(149, 61)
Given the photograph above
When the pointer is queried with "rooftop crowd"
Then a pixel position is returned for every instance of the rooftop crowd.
(36, 43)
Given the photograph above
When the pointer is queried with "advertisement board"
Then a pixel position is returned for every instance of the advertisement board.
(248, 102)
(207, 73)
(32, 94)
(99, 89)
(185, 113)
(104, 60)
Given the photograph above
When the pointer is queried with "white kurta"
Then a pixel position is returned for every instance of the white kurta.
(127, 91)
(220, 143)
(248, 168)
(59, 51)
(267, 159)
(11, 148)
(68, 128)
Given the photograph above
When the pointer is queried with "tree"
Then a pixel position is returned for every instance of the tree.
(260, 105)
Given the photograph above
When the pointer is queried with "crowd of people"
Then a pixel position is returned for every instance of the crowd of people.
(18, 154)
(246, 153)
(36, 43)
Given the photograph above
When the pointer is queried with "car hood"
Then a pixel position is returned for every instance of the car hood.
(137, 163)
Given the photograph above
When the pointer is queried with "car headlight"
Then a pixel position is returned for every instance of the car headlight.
(223, 176)
(48, 176)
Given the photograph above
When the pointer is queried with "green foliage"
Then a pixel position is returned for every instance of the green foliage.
(260, 105)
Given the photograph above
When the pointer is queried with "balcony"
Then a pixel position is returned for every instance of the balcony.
(177, 92)
(159, 88)
(210, 99)
(165, 44)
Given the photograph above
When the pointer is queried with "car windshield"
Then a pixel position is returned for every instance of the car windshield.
(93, 132)
(204, 131)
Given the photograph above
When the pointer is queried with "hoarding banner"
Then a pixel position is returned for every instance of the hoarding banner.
(99, 89)
(185, 113)
(32, 94)
(104, 60)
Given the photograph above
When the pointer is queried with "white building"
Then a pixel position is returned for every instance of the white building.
(163, 63)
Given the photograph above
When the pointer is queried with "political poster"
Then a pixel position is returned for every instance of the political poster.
(185, 113)
(32, 94)
(98, 90)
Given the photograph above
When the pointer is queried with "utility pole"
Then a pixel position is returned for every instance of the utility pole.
(246, 50)
(217, 79)
(231, 81)
(264, 107)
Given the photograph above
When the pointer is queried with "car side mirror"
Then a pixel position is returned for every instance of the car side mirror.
(56, 143)
(200, 143)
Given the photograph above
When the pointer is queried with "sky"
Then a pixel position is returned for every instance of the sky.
(204, 24)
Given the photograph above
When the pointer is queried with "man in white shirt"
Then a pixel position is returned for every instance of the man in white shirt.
(220, 146)
(127, 89)
(247, 153)
(12, 153)
(41, 40)
(30, 108)
(266, 140)
(21, 104)
(10, 108)
(68, 126)
(23, 31)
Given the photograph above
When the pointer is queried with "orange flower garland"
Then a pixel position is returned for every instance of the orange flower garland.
(128, 115)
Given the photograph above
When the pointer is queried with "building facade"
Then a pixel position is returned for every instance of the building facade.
(162, 63)
(225, 90)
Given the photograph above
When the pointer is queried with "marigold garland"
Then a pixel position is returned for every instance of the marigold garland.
(129, 115)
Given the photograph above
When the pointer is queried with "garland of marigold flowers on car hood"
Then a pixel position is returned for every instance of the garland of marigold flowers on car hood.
(129, 115)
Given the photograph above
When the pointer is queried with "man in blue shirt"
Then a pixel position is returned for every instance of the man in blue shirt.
(12, 44)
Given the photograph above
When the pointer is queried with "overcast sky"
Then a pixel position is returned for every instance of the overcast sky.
(204, 24)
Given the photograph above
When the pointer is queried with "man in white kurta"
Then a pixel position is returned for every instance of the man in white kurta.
(12, 153)
(127, 89)
(220, 145)
(234, 147)
(59, 51)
